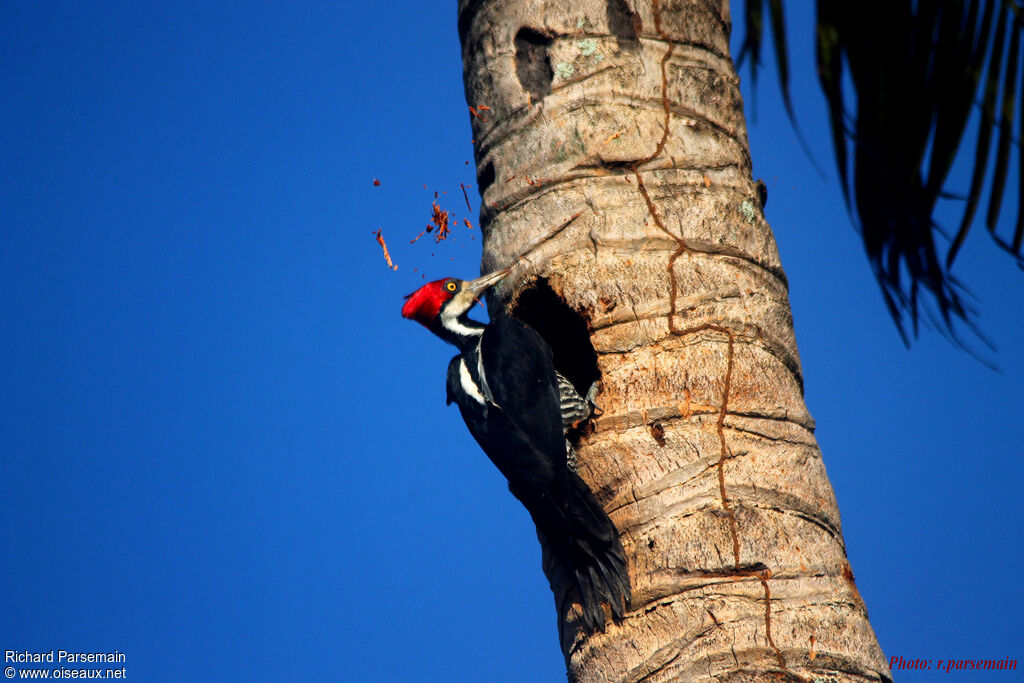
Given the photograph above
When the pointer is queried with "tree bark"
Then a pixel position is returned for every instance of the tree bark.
(614, 166)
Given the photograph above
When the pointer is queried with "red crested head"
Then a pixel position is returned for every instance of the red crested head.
(424, 305)
(454, 297)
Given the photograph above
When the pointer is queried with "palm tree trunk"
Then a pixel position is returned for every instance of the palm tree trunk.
(614, 167)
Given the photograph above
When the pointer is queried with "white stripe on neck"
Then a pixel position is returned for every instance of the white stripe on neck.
(453, 324)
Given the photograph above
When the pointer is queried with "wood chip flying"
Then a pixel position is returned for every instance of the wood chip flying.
(384, 246)
(439, 218)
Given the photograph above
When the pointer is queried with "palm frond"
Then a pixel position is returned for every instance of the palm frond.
(781, 58)
(984, 144)
(1006, 114)
(752, 43)
(916, 68)
(830, 75)
(753, 38)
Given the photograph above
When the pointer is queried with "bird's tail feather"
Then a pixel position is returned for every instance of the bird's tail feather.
(595, 559)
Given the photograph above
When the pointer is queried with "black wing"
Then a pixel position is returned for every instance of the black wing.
(520, 374)
(529, 470)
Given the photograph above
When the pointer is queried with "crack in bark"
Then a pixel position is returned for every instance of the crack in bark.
(634, 419)
(758, 572)
(768, 617)
(547, 237)
(640, 497)
(666, 39)
(776, 439)
(766, 343)
(625, 167)
(767, 416)
(502, 130)
(614, 169)
(682, 248)
(674, 285)
(619, 422)
(771, 501)
(677, 581)
(590, 74)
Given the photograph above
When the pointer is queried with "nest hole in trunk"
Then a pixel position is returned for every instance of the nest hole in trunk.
(564, 329)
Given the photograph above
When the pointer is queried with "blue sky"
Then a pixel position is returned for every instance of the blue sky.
(226, 455)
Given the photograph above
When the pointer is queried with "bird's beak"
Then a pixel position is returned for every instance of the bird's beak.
(480, 284)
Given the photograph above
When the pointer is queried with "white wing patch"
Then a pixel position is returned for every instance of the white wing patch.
(468, 385)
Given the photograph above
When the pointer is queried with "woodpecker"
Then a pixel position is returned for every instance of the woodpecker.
(518, 408)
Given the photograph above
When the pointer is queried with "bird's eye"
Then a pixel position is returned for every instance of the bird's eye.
(451, 286)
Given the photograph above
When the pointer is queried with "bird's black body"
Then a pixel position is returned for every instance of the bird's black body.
(505, 385)
(519, 427)
(519, 424)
